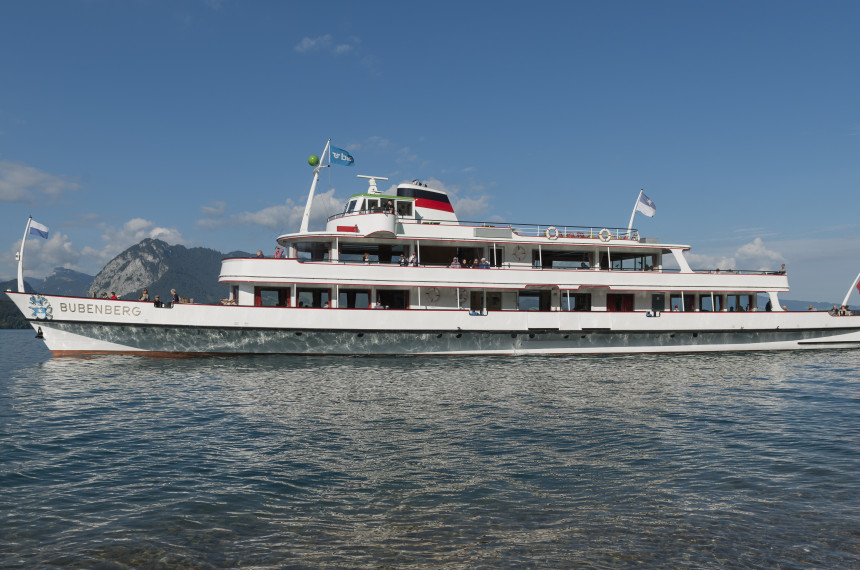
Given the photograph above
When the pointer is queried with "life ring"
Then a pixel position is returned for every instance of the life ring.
(551, 233)
(604, 235)
(432, 295)
(519, 253)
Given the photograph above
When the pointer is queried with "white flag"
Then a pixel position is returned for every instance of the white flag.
(37, 229)
(646, 205)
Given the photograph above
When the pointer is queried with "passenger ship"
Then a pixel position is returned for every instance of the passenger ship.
(398, 273)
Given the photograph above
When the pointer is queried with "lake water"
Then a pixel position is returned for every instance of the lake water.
(739, 460)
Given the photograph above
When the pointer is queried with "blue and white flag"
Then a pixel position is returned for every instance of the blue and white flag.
(37, 229)
(646, 205)
(340, 156)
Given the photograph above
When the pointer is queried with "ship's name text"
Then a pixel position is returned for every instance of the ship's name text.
(99, 309)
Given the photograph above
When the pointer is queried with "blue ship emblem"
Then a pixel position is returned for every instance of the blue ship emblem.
(41, 308)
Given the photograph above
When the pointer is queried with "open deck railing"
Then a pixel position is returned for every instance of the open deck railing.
(508, 265)
(526, 230)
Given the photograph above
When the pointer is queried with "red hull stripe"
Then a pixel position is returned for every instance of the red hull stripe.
(433, 205)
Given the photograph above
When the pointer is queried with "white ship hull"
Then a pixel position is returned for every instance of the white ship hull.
(90, 326)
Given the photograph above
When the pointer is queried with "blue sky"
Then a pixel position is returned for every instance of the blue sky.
(192, 121)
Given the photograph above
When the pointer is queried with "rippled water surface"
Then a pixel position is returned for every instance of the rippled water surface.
(739, 460)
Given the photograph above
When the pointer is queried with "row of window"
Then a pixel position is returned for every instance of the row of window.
(495, 256)
(526, 300)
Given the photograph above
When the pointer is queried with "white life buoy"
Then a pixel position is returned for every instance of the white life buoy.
(519, 253)
(551, 232)
(432, 295)
(604, 235)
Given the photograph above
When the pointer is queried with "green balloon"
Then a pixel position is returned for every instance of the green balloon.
(313, 160)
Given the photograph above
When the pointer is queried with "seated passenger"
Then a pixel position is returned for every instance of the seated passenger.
(157, 302)
(455, 263)
(484, 263)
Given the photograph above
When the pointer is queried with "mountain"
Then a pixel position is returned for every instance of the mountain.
(10, 316)
(161, 267)
(64, 282)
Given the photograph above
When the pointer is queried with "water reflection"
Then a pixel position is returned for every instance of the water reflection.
(275, 461)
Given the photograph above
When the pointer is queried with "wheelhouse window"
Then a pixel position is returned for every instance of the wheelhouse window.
(350, 206)
(404, 208)
(371, 205)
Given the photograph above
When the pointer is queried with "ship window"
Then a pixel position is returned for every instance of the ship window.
(313, 251)
(404, 209)
(376, 253)
(350, 207)
(353, 299)
(271, 297)
(535, 300)
(618, 302)
(370, 205)
(576, 302)
(497, 256)
(440, 255)
(393, 298)
(318, 298)
(632, 262)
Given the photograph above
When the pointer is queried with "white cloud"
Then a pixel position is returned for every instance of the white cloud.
(473, 207)
(285, 217)
(42, 256)
(753, 256)
(133, 231)
(314, 44)
(326, 44)
(20, 182)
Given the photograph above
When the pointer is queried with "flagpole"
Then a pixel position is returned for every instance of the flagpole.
(635, 205)
(848, 294)
(307, 215)
(21, 257)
